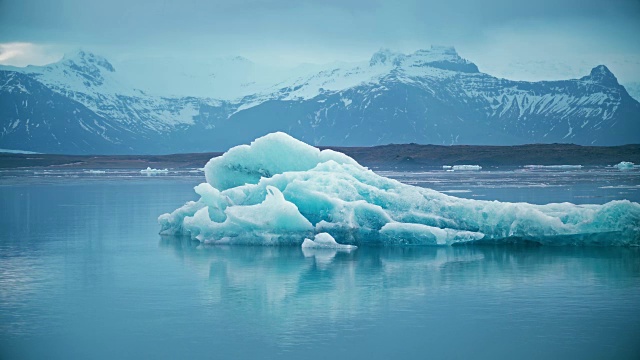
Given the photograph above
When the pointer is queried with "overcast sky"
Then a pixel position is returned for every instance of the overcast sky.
(528, 40)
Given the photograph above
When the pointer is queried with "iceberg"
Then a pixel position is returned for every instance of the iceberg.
(625, 165)
(149, 170)
(279, 191)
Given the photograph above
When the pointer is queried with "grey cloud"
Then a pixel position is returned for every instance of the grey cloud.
(324, 29)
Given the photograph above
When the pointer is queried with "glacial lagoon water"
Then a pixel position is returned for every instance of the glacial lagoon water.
(85, 275)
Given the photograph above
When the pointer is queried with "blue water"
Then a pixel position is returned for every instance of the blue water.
(84, 275)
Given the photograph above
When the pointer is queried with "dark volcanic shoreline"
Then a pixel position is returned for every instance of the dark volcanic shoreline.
(405, 155)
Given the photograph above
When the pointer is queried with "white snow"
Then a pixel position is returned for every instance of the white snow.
(279, 190)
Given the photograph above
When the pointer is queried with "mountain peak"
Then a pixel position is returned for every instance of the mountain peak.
(602, 75)
(85, 59)
(601, 71)
(442, 57)
(386, 57)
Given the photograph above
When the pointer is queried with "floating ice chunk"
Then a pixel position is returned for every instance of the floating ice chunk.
(324, 240)
(625, 165)
(95, 172)
(149, 170)
(446, 167)
(466, 167)
(567, 167)
(279, 190)
(324, 248)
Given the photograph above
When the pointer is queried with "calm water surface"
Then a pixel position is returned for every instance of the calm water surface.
(84, 275)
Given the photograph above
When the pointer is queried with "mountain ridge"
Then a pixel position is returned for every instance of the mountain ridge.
(429, 96)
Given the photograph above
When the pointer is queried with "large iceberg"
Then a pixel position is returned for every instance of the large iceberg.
(279, 190)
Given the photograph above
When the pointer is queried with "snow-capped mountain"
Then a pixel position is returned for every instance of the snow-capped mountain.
(82, 104)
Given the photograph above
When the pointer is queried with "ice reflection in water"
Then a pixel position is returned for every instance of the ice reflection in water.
(435, 292)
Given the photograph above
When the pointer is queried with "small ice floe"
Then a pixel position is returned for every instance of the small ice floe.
(325, 241)
(446, 167)
(324, 248)
(466, 167)
(95, 172)
(625, 165)
(566, 167)
(149, 170)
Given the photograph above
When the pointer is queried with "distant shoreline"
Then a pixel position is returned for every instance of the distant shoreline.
(403, 155)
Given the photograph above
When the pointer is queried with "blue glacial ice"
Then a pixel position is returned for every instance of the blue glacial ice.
(625, 165)
(279, 190)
